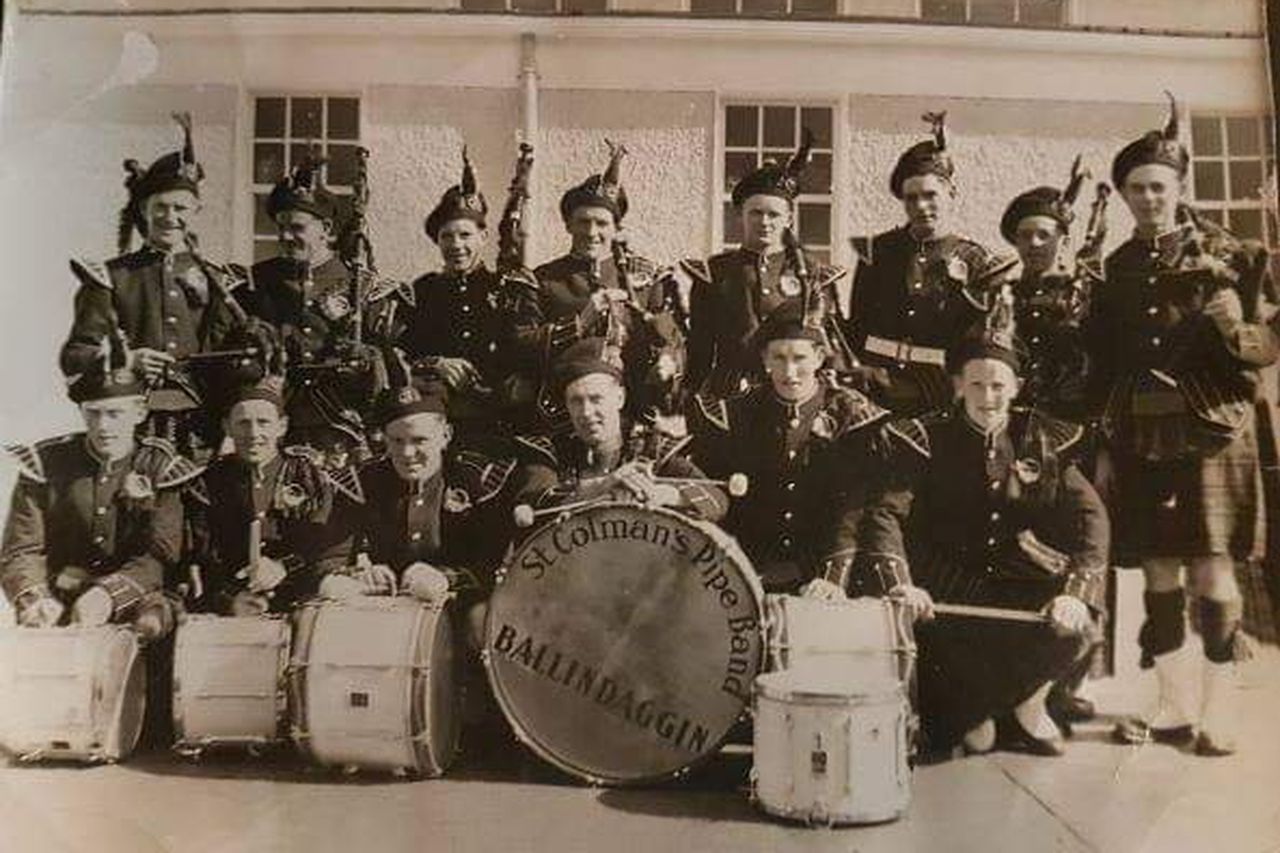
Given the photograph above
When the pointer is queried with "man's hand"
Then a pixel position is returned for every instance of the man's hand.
(151, 363)
(458, 373)
(92, 608)
(248, 603)
(341, 588)
(1225, 310)
(598, 307)
(44, 612)
(425, 582)
(823, 590)
(637, 478)
(916, 601)
(1068, 616)
(265, 576)
(377, 579)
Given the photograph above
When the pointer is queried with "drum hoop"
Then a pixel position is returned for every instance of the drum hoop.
(754, 584)
(763, 687)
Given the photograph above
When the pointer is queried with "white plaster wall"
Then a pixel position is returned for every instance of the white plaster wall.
(1195, 15)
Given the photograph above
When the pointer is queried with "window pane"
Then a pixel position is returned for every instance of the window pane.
(533, 5)
(732, 225)
(305, 122)
(1209, 181)
(992, 11)
(268, 162)
(342, 165)
(712, 7)
(1041, 13)
(814, 7)
(736, 165)
(298, 152)
(779, 157)
(1246, 223)
(815, 224)
(585, 6)
(1206, 137)
(1246, 178)
(1244, 138)
(818, 120)
(740, 127)
(344, 118)
(764, 7)
(942, 10)
(262, 224)
(779, 127)
(817, 177)
(484, 5)
(268, 117)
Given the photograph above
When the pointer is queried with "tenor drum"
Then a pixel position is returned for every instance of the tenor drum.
(621, 642)
(228, 681)
(373, 684)
(851, 640)
(827, 752)
(75, 694)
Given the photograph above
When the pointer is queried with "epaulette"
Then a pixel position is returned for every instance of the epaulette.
(639, 265)
(696, 268)
(912, 432)
(521, 276)
(91, 272)
(381, 288)
(483, 476)
(667, 448)
(853, 409)
(345, 481)
(1062, 435)
(541, 446)
(163, 464)
(714, 411)
(27, 456)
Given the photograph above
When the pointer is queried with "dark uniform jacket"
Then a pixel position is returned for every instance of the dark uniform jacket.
(807, 465)
(458, 520)
(473, 316)
(552, 471)
(1169, 385)
(1000, 518)
(1049, 311)
(912, 301)
(732, 294)
(75, 521)
(293, 502)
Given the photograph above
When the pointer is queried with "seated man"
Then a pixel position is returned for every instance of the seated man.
(267, 533)
(96, 519)
(984, 506)
(604, 458)
(804, 443)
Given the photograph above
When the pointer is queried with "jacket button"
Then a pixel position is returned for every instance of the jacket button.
(102, 510)
(415, 536)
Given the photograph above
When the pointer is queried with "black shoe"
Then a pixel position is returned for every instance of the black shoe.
(1210, 747)
(1134, 731)
(1070, 708)
(1014, 738)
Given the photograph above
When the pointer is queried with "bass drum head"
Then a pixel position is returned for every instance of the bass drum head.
(437, 706)
(622, 642)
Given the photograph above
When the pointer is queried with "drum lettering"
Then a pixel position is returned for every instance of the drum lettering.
(661, 535)
(665, 726)
(506, 639)
(737, 666)
(708, 553)
(606, 686)
(614, 528)
(561, 546)
(742, 624)
(698, 742)
(580, 536)
(524, 652)
(555, 665)
(586, 679)
(739, 645)
(536, 560)
(733, 686)
(537, 658)
(568, 676)
(643, 712)
(682, 544)
(718, 582)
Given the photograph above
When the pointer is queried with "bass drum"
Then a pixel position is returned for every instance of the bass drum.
(373, 685)
(622, 641)
(228, 681)
(71, 694)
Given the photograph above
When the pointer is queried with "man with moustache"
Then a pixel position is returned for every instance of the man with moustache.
(266, 528)
(462, 328)
(733, 291)
(166, 299)
(981, 506)
(95, 521)
(608, 457)
(921, 286)
(807, 445)
(1176, 345)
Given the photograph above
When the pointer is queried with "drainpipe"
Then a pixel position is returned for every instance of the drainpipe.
(529, 120)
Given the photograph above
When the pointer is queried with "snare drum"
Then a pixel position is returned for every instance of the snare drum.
(827, 752)
(851, 640)
(621, 641)
(75, 694)
(373, 684)
(228, 681)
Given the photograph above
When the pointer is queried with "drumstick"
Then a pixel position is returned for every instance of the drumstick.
(255, 549)
(524, 514)
(737, 484)
(1006, 614)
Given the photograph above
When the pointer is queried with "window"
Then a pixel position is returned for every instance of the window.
(568, 7)
(1233, 173)
(754, 133)
(284, 129)
(800, 8)
(1039, 13)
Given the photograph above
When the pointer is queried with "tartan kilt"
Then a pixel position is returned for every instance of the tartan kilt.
(1209, 504)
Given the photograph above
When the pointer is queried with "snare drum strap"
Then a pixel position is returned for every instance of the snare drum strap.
(885, 570)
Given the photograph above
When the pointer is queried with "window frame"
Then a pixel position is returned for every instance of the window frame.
(609, 6)
(837, 11)
(248, 238)
(837, 250)
(1266, 157)
(1067, 17)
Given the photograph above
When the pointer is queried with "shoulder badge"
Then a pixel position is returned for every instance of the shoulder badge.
(381, 288)
(159, 460)
(29, 462)
(696, 268)
(482, 475)
(1062, 435)
(668, 447)
(541, 447)
(852, 409)
(521, 277)
(91, 272)
(913, 433)
(714, 410)
(345, 481)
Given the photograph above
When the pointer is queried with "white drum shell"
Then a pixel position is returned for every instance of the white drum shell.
(856, 641)
(228, 681)
(358, 674)
(74, 694)
(827, 756)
